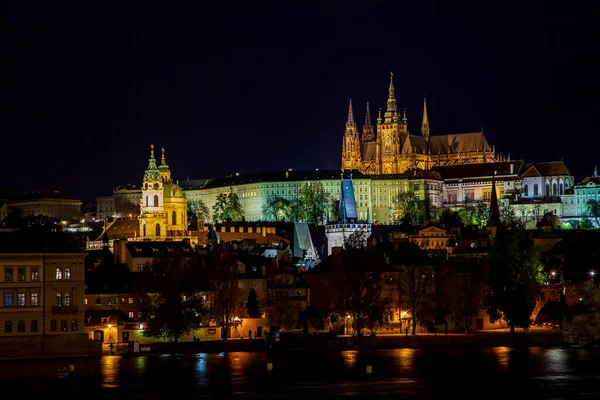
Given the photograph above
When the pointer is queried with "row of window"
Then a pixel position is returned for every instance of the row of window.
(8, 326)
(21, 274)
(34, 299)
(61, 274)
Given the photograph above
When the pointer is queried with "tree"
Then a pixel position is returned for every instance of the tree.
(252, 306)
(282, 306)
(450, 219)
(225, 290)
(228, 208)
(416, 289)
(408, 208)
(198, 214)
(549, 219)
(459, 289)
(314, 201)
(593, 211)
(361, 287)
(277, 208)
(170, 294)
(516, 277)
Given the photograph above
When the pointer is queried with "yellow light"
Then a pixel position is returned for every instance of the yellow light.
(110, 325)
(403, 314)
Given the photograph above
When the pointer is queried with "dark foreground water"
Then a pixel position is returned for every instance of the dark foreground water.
(452, 373)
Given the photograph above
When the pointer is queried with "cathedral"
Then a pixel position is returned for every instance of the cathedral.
(392, 149)
(164, 204)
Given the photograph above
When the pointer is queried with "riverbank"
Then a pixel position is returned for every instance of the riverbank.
(541, 338)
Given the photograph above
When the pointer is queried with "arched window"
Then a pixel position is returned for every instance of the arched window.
(34, 325)
(155, 200)
(67, 301)
(157, 229)
(147, 201)
(567, 184)
(63, 325)
(554, 189)
(526, 190)
(547, 190)
(535, 189)
(74, 325)
(562, 191)
(59, 274)
(174, 218)
(21, 326)
(67, 274)
(8, 326)
(59, 299)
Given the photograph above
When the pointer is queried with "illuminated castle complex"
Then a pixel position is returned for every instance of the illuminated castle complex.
(393, 150)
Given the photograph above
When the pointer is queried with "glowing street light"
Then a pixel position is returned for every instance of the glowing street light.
(592, 273)
(553, 273)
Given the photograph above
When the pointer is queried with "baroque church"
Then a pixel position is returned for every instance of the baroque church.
(392, 149)
(164, 204)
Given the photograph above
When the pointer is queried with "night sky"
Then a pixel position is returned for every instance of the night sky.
(85, 89)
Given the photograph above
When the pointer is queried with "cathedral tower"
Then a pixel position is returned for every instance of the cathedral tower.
(351, 145)
(391, 132)
(164, 205)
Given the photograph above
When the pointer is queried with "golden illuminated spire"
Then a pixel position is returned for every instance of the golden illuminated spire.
(368, 126)
(151, 151)
(425, 123)
(391, 113)
(350, 116)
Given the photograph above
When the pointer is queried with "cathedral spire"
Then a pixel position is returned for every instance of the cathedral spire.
(350, 123)
(368, 127)
(391, 113)
(494, 207)
(425, 123)
(379, 118)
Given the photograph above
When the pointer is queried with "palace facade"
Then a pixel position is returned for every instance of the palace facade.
(392, 149)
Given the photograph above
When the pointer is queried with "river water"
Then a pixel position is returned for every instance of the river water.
(453, 373)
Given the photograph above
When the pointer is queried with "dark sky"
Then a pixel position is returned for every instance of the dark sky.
(85, 89)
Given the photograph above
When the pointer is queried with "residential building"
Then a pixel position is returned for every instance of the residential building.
(42, 300)
(124, 203)
(575, 201)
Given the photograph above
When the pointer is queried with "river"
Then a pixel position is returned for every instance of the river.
(453, 373)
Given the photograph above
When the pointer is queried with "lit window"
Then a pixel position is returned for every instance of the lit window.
(67, 301)
(131, 300)
(8, 299)
(85, 301)
(21, 300)
(67, 273)
(130, 314)
(35, 274)
(35, 301)
(73, 325)
(59, 299)
(58, 274)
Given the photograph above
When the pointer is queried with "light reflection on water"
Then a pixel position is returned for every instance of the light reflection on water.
(405, 358)
(349, 358)
(109, 367)
(502, 357)
(557, 361)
